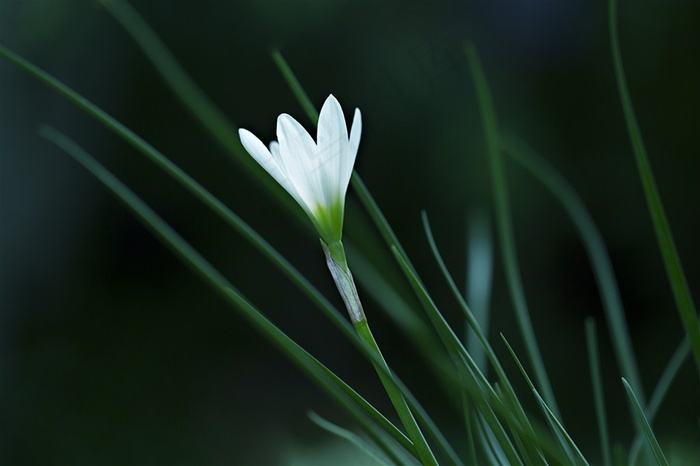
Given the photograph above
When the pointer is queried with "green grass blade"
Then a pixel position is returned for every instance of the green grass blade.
(674, 269)
(295, 86)
(664, 383)
(595, 249)
(180, 82)
(505, 227)
(569, 447)
(572, 451)
(479, 279)
(352, 438)
(597, 382)
(210, 117)
(643, 425)
(324, 377)
(477, 383)
(474, 324)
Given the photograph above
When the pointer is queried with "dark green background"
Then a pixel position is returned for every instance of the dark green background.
(112, 352)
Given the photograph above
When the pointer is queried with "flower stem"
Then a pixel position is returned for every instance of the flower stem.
(337, 264)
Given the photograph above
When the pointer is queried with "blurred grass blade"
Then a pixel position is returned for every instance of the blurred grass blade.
(325, 378)
(180, 82)
(674, 270)
(479, 278)
(474, 325)
(595, 249)
(598, 396)
(476, 382)
(569, 447)
(351, 437)
(505, 227)
(212, 120)
(295, 86)
(659, 393)
(644, 426)
(490, 446)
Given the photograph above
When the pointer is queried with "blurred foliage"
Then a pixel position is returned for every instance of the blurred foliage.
(113, 353)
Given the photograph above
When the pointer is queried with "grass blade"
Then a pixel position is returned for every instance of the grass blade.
(674, 269)
(565, 442)
(659, 393)
(596, 381)
(643, 425)
(479, 278)
(210, 117)
(324, 377)
(595, 249)
(477, 383)
(351, 437)
(184, 87)
(505, 227)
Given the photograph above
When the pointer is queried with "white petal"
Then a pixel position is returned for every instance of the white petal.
(332, 148)
(259, 152)
(298, 156)
(353, 145)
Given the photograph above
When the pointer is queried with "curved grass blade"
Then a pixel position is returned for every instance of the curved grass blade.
(644, 426)
(175, 76)
(505, 227)
(325, 378)
(479, 280)
(477, 385)
(474, 324)
(674, 269)
(596, 381)
(350, 437)
(595, 249)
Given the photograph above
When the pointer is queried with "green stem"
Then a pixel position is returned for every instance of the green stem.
(404, 412)
(338, 266)
(672, 262)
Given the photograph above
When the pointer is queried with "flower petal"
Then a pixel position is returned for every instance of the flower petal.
(298, 157)
(332, 148)
(262, 155)
(353, 145)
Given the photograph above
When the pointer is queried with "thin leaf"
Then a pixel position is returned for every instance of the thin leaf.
(664, 383)
(478, 384)
(505, 227)
(565, 442)
(598, 396)
(674, 269)
(351, 437)
(643, 425)
(595, 249)
(478, 289)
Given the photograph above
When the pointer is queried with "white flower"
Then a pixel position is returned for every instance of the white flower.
(316, 174)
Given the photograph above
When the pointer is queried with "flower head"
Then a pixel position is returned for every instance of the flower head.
(315, 173)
